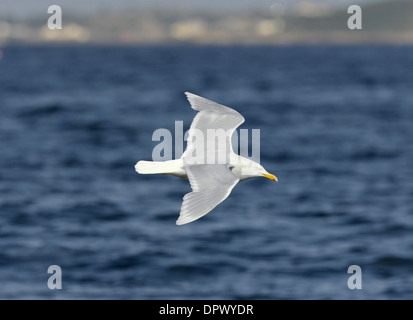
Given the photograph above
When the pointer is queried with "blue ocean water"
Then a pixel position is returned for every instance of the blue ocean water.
(336, 128)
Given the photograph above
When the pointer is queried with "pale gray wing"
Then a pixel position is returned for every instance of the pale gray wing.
(212, 119)
(211, 184)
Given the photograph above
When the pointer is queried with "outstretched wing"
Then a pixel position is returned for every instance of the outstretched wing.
(212, 119)
(211, 184)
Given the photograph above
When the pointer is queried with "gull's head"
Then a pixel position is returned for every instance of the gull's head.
(256, 170)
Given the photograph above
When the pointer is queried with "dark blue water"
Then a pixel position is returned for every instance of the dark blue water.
(336, 128)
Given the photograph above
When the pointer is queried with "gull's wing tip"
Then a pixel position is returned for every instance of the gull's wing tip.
(179, 223)
(203, 104)
(182, 221)
(190, 95)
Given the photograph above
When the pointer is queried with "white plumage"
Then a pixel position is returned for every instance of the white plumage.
(209, 162)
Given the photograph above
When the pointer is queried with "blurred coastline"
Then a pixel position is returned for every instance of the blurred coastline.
(388, 22)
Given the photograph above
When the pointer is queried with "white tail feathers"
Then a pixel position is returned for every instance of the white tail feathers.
(150, 167)
(174, 167)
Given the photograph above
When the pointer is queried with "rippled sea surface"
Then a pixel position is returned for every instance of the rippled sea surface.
(336, 128)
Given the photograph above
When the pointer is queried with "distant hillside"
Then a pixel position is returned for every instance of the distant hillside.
(382, 16)
(389, 22)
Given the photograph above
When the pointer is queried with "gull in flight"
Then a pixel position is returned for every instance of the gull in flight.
(212, 167)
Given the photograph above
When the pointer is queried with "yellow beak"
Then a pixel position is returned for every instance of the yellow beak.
(270, 176)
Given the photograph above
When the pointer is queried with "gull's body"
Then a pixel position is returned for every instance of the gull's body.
(211, 182)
